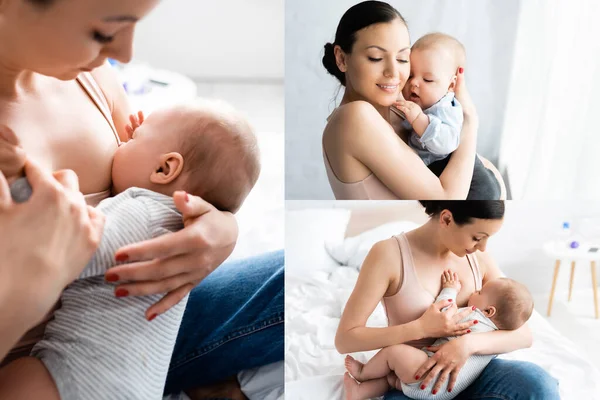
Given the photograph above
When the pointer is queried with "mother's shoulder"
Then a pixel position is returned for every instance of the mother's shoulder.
(355, 111)
(357, 117)
(386, 252)
(384, 261)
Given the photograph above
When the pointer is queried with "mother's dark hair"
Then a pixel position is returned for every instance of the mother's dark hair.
(463, 211)
(356, 18)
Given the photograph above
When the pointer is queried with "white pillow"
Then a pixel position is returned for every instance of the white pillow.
(353, 250)
(306, 232)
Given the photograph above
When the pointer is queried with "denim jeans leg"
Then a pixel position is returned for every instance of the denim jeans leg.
(233, 321)
(513, 380)
(506, 380)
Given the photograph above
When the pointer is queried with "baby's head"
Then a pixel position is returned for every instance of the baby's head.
(506, 302)
(434, 60)
(206, 149)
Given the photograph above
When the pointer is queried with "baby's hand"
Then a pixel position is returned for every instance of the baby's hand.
(450, 280)
(136, 121)
(409, 109)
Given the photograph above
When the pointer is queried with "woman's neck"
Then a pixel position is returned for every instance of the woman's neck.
(427, 238)
(350, 95)
(15, 81)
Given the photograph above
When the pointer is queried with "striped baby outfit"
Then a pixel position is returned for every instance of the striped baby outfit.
(99, 346)
(472, 368)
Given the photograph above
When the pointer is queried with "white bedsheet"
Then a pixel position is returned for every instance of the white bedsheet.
(314, 369)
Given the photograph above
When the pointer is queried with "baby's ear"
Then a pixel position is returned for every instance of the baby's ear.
(490, 311)
(169, 168)
(452, 84)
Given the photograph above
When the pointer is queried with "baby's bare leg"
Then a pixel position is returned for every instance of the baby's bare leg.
(403, 359)
(27, 378)
(364, 390)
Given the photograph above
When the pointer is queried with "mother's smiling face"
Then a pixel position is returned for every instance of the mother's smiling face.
(61, 38)
(378, 65)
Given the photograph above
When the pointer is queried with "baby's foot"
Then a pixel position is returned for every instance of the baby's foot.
(350, 387)
(354, 367)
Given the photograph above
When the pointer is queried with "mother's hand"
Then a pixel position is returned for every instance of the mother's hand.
(447, 361)
(437, 323)
(464, 97)
(177, 262)
(54, 236)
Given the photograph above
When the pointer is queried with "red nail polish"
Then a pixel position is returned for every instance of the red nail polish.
(450, 300)
(150, 318)
(422, 387)
(435, 391)
(122, 257)
(475, 322)
(121, 292)
(461, 70)
(473, 308)
(449, 390)
(468, 331)
(111, 277)
(417, 377)
(187, 198)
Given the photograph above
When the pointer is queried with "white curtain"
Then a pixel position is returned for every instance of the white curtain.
(551, 134)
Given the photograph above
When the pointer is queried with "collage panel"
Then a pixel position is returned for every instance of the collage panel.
(366, 281)
(141, 200)
(303, 200)
(476, 79)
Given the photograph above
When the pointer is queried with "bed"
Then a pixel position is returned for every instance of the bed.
(325, 246)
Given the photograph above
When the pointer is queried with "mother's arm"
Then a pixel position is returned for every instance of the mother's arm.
(374, 280)
(64, 237)
(372, 141)
(375, 144)
(379, 277)
(174, 262)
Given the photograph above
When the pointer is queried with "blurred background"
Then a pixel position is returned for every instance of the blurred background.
(532, 69)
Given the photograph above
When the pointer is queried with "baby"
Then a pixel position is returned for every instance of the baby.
(431, 112)
(501, 304)
(99, 346)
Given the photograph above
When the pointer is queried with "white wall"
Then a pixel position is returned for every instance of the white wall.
(486, 28)
(528, 224)
(208, 40)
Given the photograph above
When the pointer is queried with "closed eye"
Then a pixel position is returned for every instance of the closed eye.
(100, 38)
(428, 80)
(374, 59)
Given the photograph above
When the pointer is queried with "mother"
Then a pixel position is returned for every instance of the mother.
(404, 273)
(364, 156)
(69, 111)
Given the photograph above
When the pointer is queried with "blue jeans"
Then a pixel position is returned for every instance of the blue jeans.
(506, 380)
(233, 321)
